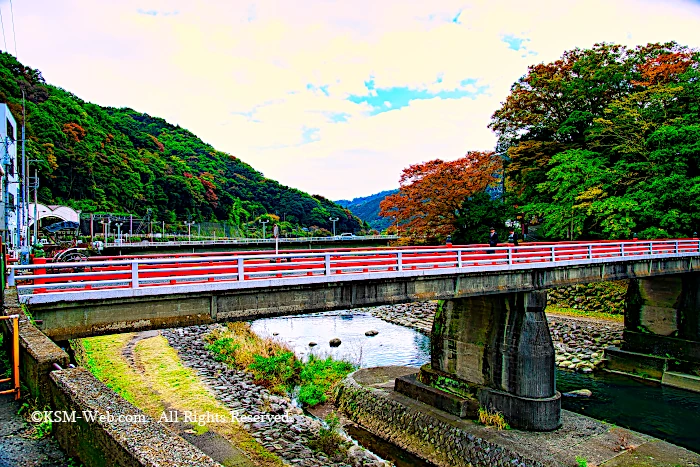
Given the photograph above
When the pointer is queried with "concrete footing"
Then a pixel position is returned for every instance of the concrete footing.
(448, 440)
(493, 352)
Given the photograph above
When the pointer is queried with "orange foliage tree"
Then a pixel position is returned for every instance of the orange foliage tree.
(432, 193)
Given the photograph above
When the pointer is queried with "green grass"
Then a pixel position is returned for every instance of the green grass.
(585, 314)
(274, 365)
(165, 383)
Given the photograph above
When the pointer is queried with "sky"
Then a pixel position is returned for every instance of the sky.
(332, 97)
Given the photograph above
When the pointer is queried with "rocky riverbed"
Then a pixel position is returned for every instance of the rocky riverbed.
(578, 342)
(288, 437)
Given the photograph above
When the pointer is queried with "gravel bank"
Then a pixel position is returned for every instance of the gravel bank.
(578, 342)
(288, 437)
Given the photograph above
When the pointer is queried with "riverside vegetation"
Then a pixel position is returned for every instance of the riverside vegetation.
(274, 365)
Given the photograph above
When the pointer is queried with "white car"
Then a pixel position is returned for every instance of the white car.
(346, 236)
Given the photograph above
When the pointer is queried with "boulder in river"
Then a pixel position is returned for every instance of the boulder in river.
(312, 344)
(371, 332)
(335, 342)
(579, 393)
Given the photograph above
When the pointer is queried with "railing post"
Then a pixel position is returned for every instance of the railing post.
(241, 276)
(134, 274)
(11, 277)
(510, 255)
(651, 248)
(553, 257)
(622, 249)
(675, 246)
(399, 261)
(590, 251)
(459, 258)
(327, 262)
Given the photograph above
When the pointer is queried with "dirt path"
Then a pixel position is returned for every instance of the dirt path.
(17, 447)
(211, 443)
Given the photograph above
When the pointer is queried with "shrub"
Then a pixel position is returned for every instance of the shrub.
(329, 440)
(492, 418)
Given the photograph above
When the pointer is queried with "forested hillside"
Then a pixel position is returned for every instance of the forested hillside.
(97, 158)
(367, 209)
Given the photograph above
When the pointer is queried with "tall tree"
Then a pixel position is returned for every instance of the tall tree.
(432, 194)
(603, 142)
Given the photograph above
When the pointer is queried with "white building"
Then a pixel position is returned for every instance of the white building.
(10, 179)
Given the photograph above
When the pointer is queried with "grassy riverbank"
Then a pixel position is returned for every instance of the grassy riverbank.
(576, 313)
(160, 383)
(274, 365)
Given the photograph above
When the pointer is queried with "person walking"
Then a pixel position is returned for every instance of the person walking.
(493, 239)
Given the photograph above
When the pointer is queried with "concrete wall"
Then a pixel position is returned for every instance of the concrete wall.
(120, 435)
(130, 441)
(160, 307)
(37, 353)
(429, 436)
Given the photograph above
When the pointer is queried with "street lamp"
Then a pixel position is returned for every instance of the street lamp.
(119, 232)
(334, 220)
(189, 230)
(263, 223)
(105, 223)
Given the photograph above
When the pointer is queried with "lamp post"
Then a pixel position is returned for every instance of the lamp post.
(263, 224)
(105, 223)
(189, 230)
(119, 232)
(334, 220)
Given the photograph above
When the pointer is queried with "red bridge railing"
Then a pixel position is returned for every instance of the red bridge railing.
(60, 281)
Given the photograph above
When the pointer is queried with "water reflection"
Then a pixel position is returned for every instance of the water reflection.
(393, 345)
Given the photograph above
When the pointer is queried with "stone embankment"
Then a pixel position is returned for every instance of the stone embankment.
(288, 437)
(578, 342)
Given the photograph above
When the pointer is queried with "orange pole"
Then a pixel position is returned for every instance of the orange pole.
(15, 355)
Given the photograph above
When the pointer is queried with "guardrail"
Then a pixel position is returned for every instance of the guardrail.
(54, 281)
(251, 241)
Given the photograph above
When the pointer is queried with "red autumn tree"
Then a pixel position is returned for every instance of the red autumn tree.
(432, 193)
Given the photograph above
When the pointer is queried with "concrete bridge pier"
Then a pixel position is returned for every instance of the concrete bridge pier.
(492, 351)
(662, 328)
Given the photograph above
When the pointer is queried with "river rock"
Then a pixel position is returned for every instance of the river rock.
(335, 342)
(579, 393)
(371, 332)
(312, 344)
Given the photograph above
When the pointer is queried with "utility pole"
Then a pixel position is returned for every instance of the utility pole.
(105, 223)
(189, 230)
(334, 220)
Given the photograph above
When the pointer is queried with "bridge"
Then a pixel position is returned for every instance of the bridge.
(490, 343)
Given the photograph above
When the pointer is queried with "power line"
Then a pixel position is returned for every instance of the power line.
(2, 23)
(14, 37)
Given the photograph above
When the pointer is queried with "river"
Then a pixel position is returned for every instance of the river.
(664, 412)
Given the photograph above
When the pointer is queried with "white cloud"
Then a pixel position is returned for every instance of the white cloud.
(237, 73)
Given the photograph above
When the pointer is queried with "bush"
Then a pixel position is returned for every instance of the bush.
(276, 370)
(311, 395)
(329, 440)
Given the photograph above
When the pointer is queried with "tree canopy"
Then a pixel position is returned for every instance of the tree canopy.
(605, 142)
(97, 158)
(432, 194)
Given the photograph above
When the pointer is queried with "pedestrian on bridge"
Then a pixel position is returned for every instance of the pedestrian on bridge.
(514, 237)
(493, 239)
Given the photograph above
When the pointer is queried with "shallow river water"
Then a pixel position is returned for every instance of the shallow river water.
(660, 411)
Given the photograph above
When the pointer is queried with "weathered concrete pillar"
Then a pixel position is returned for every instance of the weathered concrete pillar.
(497, 350)
(662, 326)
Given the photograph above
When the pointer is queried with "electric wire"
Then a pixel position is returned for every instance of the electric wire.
(2, 23)
(14, 37)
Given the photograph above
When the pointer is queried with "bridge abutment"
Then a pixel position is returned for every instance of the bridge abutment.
(662, 327)
(493, 351)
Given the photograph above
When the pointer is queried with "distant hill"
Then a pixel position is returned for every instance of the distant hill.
(367, 209)
(96, 158)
